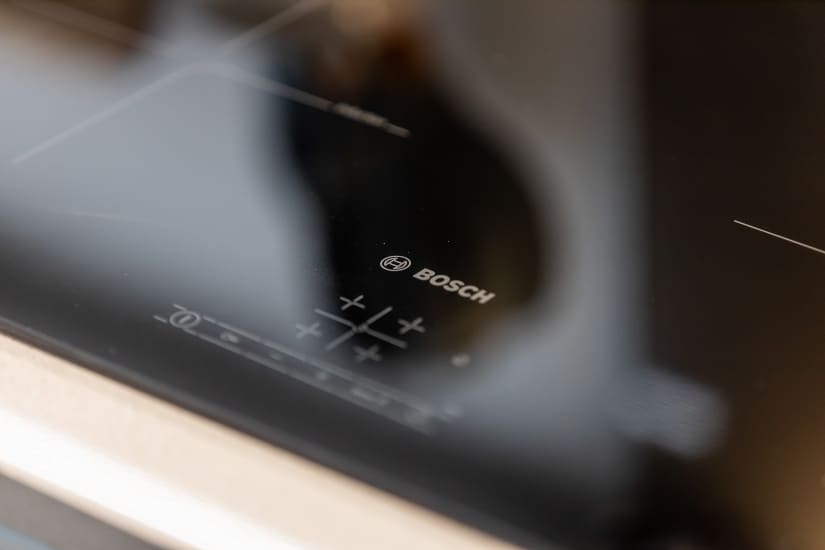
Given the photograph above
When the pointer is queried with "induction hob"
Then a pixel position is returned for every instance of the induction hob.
(548, 268)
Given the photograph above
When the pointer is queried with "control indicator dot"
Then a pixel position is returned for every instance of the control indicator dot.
(461, 360)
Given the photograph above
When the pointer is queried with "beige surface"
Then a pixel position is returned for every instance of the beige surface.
(179, 480)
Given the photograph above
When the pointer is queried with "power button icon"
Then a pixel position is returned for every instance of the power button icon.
(395, 263)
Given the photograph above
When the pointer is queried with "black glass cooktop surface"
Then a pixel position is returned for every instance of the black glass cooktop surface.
(551, 268)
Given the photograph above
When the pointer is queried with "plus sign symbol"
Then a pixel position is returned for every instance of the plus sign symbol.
(395, 263)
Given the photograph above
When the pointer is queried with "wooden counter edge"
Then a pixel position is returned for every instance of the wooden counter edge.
(179, 480)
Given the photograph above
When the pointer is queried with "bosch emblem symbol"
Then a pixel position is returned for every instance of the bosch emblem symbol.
(395, 263)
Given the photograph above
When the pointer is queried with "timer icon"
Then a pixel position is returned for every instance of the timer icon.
(395, 263)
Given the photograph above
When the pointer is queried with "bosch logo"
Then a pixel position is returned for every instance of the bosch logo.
(395, 263)
(444, 282)
(448, 284)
